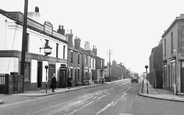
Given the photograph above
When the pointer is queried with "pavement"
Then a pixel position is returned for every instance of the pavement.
(161, 94)
(40, 93)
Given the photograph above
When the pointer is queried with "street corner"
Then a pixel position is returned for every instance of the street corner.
(1, 101)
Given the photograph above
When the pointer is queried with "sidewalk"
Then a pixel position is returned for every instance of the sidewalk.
(40, 93)
(159, 93)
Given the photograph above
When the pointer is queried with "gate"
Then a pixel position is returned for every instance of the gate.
(10, 84)
(3, 83)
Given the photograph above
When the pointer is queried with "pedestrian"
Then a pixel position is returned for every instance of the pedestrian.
(69, 81)
(53, 82)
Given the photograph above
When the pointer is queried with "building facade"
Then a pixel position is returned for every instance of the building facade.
(74, 60)
(38, 37)
(100, 74)
(173, 55)
(155, 67)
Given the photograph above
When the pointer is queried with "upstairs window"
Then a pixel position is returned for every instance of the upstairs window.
(64, 47)
(27, 42)
(71, 54)
(78, 58)
(57, 47)
(164, 47)
(172, 47)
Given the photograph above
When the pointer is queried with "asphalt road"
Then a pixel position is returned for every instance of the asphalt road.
(119, 98)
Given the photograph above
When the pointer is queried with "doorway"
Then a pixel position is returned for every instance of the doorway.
(63, 77)
(182, 76)
(39, 75)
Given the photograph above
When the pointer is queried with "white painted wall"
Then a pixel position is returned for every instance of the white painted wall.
(11, 39)
(8, 65)
(34, 71)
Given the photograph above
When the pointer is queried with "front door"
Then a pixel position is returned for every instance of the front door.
(39, 75)
(182, 79)
(63, 77)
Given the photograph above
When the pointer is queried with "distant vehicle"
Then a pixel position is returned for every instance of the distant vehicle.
(135, 78)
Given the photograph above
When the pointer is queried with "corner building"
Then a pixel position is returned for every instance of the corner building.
(173, 56)
(38, 37)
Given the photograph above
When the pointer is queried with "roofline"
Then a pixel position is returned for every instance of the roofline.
(16, 16)
(177, 19)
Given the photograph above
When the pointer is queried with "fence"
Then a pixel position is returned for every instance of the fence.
(3, 83)
(10, 84)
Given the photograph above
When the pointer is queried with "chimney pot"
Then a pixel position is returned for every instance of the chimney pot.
(36, 9)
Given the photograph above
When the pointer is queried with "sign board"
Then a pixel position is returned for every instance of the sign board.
(48, 28)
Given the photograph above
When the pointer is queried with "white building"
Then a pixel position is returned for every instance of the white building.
(38, 36)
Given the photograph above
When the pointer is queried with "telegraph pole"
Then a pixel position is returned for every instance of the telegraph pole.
(109, 64)
(24, 35)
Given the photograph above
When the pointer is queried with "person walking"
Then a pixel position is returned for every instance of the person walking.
(53, 82)
(69, 82)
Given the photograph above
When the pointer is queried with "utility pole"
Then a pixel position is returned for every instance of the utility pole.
(109, 64)
(24, 35)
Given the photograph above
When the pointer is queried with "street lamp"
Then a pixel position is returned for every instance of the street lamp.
(47, 50)
(46, 67)
(146, 66)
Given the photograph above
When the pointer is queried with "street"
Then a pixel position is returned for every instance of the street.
(118, 98)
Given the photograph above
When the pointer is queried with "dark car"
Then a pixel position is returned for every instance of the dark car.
(134, 79)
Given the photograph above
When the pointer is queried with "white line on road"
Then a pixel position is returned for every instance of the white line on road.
(107, 106)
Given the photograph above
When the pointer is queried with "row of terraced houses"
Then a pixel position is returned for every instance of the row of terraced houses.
(166, 62)
(67, 58)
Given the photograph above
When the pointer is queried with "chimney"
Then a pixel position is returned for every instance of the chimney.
(37, 9)
(70, 39)
(61, 30)
(77, 43)
(87, 46)
(95, 50)
(35, 15)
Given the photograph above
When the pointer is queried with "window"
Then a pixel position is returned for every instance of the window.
(27, 42)
(171, 42)
(86, 61)
(71, 54)
(93, 63)
(78, 73)
(57, 47)
(78, 58)
(89, 62)
(164, 47)
(64, 52)
(71, 73)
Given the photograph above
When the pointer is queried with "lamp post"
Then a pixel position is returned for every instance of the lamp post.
(146, 66)
(46, 67)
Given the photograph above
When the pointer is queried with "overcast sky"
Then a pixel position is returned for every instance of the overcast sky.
(130, 28)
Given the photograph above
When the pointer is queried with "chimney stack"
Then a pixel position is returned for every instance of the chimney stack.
(61, 30)
(77, 43)
(94, 50)
(70, 39)
(87, 46)
(35, 15)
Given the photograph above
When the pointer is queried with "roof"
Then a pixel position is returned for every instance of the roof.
(173, 23)
(32, 24)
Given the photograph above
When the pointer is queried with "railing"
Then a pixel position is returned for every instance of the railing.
(10, 84)
(3, 83)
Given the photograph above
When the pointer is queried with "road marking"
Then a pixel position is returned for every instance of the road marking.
(125, 114)
(103, 109)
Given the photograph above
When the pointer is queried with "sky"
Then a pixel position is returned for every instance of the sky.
(129, 28)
